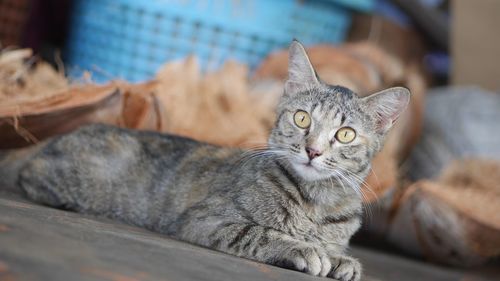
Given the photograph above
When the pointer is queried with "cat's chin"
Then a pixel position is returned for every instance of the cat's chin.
(309, 172)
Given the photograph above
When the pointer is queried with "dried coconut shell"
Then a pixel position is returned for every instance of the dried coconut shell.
(455, 221)
(142, 108)
(31, 121)
(40, 104)
(132, 106)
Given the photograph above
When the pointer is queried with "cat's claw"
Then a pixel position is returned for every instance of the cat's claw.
(345, 269)
(309, 260)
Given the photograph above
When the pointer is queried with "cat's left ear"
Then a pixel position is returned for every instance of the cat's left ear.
(387, 106)
(301, 74)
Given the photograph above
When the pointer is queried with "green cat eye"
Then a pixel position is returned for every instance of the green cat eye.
(345, 135)
(302, 119)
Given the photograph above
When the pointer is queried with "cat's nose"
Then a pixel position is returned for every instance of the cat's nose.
(312, 153)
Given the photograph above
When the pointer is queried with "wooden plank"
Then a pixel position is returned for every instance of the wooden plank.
(41, 243)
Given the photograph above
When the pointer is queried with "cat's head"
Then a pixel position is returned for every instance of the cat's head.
(325, 131)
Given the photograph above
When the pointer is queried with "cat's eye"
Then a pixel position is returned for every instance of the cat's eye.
(302, 119)
(345, 135)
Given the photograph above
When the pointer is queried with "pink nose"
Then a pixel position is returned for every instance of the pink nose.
(312, 153)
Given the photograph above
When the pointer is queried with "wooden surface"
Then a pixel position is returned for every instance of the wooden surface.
(41, 243)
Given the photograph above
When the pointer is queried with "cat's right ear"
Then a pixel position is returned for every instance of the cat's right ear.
(301, 74)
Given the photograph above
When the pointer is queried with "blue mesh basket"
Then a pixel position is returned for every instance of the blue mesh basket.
(131, 39)
(361, 5)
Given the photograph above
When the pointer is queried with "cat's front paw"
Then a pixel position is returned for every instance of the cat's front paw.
(310, 260)
(345, 269)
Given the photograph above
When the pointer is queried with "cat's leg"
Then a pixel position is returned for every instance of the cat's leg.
(345, 268)
(62, 182)
(266, 245)
(40, 187)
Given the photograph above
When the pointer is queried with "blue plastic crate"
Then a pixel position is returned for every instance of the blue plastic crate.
(131, 39)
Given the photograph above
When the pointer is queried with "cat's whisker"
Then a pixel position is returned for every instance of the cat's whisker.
(250, 155)
(255, 149)
(244, 161)
(351, 184)
(368, 210)
(369, 206)
(357, 179)
(375, 174)
(341, 177)
(360, 180)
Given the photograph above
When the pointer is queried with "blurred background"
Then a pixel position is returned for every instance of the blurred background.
(213, 70)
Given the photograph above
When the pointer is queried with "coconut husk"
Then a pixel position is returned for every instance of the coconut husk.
(22, 77)
(334, 65)
(212, 107)
(389, 68)
(215, 107)
(455, 220)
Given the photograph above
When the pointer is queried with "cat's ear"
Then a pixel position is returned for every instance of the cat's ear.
(387, 106)
(301, 74)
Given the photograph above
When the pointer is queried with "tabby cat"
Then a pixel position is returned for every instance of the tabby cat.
(294, 204)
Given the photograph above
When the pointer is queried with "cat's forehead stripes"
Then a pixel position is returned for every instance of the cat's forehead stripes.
(330, 107)
(338, 119)
(317, 111)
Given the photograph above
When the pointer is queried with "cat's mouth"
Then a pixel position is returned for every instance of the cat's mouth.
(310, 166)
(309, 170)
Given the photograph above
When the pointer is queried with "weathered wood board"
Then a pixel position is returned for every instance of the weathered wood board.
(41, 243)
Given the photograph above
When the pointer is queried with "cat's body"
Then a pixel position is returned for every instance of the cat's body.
(295, 204)
(211, 196)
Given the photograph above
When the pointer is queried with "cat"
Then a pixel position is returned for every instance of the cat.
(295, 203)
